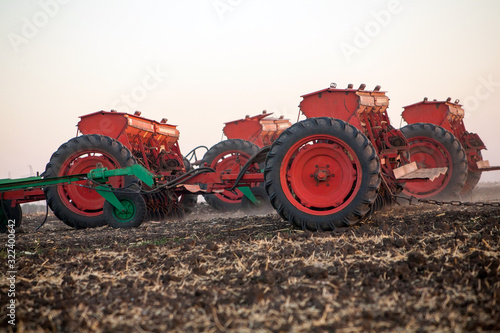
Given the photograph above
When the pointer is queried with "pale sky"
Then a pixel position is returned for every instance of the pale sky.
(201, 63)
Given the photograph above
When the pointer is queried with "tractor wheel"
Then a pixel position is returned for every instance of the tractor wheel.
(432, 146)
(262, 207)
(229, 156)
(134, 214)
(188, 200)
(322, 173)
(80, 207)
(10, 213)
(473, 178)
(471, 182)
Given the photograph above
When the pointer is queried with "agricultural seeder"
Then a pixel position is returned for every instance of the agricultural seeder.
(261, 129)
(244, 139)
(330, 170)
(115, 141)
(445, 143)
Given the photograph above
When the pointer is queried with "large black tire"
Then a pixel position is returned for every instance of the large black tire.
(471, 182)
(224, 156)
(79, 207)
(134, 214)
(432, 146)
(473, 178)
(10, 213)
(322, 173)
(188, 201)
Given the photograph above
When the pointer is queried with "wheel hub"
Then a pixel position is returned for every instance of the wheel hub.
(322, 175)
(127, 214)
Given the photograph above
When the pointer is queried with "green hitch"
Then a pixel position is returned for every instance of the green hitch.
(102, 174)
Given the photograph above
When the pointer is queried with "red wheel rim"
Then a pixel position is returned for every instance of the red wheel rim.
(226, 163)
(428, 154)
(320, 175)
(81, 200)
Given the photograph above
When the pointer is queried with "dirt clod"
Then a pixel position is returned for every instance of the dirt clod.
(416, 259)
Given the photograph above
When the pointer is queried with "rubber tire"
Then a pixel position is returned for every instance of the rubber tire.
(13, 213)
(246, 147)
(139, 205)
(472, 180)
(99, 143)
(188, 200)
(262, 208)
(457, 155)
(370, 170)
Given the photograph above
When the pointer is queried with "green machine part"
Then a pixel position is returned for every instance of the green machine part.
(247, 192)
(98, 174)
(102, 174)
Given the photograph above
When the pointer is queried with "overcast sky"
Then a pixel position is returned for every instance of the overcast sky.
(201, 63)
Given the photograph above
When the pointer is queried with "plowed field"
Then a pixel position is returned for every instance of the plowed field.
(408, 268)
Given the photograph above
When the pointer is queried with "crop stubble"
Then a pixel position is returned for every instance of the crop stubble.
(407, 268)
